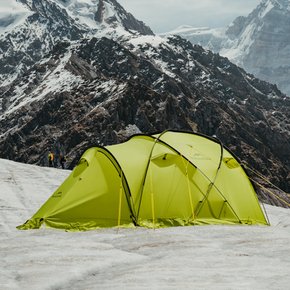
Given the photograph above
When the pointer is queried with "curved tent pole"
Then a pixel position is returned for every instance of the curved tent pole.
(120, 199)
(188, 185)
(146, 171)
(210, 186)
(122, 175)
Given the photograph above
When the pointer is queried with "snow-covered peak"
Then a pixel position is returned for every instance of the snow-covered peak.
(12, 14)
(280, 4)
(243, 32)
(92, 14)
(258, 42)
(87, 16)
(265, 9)
(268, 6)
(29, 29)
(82, 11)
(89, 13)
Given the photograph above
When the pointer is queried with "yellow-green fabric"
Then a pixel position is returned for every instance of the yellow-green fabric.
(168, 179)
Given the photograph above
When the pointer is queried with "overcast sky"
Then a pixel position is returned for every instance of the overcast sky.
(165, 15)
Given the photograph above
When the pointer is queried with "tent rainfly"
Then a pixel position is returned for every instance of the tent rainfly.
(168, 179)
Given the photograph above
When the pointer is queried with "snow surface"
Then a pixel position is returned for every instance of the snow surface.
(152, 40)
(197, 257)
(58, 80)
(82, 11)
(241, 46)
(268, 8)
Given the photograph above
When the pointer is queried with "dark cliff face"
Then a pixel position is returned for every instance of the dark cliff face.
(123, 92)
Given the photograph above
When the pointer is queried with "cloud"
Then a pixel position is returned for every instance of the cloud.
(164, 15)
(11, 6)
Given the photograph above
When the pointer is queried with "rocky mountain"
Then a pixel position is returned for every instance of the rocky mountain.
(31, 30)
(259, 42)
(111, 81)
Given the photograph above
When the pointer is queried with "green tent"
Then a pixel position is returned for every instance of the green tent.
(168, 179)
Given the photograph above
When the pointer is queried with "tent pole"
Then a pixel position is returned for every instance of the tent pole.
(210, 186)
(120, 200)
(146, 171)
(188, 184)
(152, 198)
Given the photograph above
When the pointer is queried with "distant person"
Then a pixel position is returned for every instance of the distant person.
(50, 159)
(62, 161)
(57, 156)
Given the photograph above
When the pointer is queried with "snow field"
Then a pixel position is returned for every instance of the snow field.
(199, 257)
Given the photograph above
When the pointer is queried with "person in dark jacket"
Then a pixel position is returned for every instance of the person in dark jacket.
(62, 161)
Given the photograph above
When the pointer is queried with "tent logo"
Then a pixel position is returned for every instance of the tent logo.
(57, 194)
